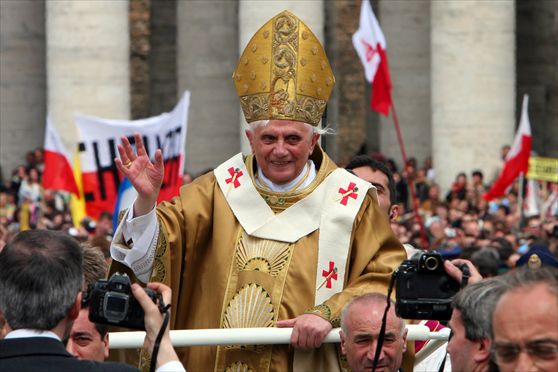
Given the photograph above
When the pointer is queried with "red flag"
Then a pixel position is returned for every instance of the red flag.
(58, 173)
(517, 160)
(370, 44)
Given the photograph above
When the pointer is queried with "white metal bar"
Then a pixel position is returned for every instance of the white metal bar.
(246, 336)
(432, 346)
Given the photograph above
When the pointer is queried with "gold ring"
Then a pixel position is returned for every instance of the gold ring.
(127, 165)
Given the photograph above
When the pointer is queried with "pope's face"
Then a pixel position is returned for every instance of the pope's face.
(85, 342)
(282, 148)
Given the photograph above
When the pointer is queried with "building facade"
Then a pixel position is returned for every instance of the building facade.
(459, 71)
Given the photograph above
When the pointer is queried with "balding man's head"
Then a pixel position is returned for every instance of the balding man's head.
(360, 323)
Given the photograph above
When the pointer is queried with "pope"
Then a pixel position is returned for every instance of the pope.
(281, 237)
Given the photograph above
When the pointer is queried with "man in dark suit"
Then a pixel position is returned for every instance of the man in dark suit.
(40, 296)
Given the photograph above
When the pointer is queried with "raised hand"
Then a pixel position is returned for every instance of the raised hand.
(145, 176)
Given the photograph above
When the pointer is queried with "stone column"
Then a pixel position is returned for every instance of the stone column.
(253, 14)
(348, 109)
(406, 26)
(473, 85)
(22, 81)
(537, 71)
(162, 57)
(207, 51)
(88, 58)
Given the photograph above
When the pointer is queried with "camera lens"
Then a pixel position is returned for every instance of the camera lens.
(431, 263)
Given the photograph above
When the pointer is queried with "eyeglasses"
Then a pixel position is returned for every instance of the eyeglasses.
(541, 350)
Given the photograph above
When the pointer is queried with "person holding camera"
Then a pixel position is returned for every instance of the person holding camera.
(40, 295)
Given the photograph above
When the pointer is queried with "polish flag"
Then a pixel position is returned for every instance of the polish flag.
(517, 160)
(58, 174)
(370, 45)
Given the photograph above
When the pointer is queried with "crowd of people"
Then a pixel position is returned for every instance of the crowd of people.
(26, 205)
(461, 223)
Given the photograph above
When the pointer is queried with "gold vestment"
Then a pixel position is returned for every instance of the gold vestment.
(214, 268)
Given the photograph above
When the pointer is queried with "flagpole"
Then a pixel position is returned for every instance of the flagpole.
(520, 200)
(410, 182)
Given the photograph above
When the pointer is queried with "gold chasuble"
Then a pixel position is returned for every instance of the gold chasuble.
(223, 277)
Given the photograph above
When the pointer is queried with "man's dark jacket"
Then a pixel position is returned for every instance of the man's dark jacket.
(47, 354)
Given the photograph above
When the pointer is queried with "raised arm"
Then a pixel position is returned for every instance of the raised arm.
(145, 176)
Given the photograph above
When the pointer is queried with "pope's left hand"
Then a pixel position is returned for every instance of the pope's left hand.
(309, 330)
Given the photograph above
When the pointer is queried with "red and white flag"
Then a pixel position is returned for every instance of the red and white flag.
(517, 160)
(370, 44)
(58, 173)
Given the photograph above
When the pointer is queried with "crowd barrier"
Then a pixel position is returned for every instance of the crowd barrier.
(250, 336)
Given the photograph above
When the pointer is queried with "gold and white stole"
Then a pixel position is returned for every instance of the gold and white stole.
(332, 207)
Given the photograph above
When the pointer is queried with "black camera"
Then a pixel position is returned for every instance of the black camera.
(112, 302)
(423, 288)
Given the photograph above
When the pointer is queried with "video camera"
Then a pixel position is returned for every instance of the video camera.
(112, 302)
(423, 288)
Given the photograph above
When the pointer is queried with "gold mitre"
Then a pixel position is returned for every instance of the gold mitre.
(284, 73)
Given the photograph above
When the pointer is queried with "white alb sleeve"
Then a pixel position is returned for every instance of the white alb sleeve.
(172, 366)
(135, 242)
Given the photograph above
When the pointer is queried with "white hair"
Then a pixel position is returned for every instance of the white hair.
(262, 123)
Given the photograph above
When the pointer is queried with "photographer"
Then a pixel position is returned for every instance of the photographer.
(40, 296)
(470, 324)
(90, 340)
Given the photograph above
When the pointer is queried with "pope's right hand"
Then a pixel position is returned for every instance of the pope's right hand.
(145, 176)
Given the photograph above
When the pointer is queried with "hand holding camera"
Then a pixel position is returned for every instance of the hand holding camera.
(423, 288)
(454, 269)
(119, 302)
(111, 302)
(154, 321)
(153, 316)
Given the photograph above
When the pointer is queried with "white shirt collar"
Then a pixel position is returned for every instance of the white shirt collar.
(25, 333)
(285, 187)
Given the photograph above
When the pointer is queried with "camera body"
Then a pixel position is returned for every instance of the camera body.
(423, 288)
(112, 302)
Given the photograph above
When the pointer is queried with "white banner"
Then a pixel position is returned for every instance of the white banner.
(99, 137)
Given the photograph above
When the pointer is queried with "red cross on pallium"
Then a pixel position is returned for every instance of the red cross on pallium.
(235, 175)
(331, 274)
(345, 194)
(370, 50)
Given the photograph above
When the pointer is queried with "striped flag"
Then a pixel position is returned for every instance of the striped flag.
(58, 174)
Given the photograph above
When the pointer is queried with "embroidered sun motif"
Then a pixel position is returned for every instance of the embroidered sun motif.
(250, 307)
(258, 264)
(269, 256)
(238, 367)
